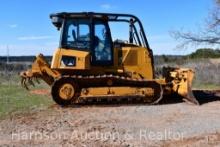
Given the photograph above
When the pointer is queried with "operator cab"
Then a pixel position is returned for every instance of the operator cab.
(94, 37)
(91, 32)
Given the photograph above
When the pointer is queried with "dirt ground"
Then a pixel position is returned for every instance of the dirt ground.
(41, 92)
(170, 123)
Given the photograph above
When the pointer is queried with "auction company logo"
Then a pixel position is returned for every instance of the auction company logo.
(142, 134)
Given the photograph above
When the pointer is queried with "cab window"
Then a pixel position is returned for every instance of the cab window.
(102, 43)
(76, 34)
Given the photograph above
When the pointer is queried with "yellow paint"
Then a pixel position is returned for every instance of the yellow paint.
(66, 91)
(135, 62)
(82, 59)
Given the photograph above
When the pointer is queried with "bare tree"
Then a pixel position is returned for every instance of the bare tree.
(209, 35)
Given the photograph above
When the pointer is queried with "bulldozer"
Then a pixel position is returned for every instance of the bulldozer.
(89, 63)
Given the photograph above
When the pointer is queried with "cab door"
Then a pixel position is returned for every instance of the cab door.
(102, 47)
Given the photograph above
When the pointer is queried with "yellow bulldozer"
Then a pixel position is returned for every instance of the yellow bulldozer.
(88, 63)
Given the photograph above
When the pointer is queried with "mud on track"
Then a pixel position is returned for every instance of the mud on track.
(171, 123)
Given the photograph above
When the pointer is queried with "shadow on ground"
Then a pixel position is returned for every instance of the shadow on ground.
(206, 96)
(203, 97)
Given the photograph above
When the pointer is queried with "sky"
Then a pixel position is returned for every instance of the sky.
(25, 27)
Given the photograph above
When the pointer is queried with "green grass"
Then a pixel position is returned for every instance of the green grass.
(14, 98)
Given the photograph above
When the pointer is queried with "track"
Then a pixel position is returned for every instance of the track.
(203, 97)
(109, 81)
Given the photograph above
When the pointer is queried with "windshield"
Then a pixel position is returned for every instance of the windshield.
(76, 34)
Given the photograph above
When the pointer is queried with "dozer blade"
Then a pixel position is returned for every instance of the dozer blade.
(181, 79)
(190, 98)
(188, 94)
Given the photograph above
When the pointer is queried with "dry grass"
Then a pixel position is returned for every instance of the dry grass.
(207, 72)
